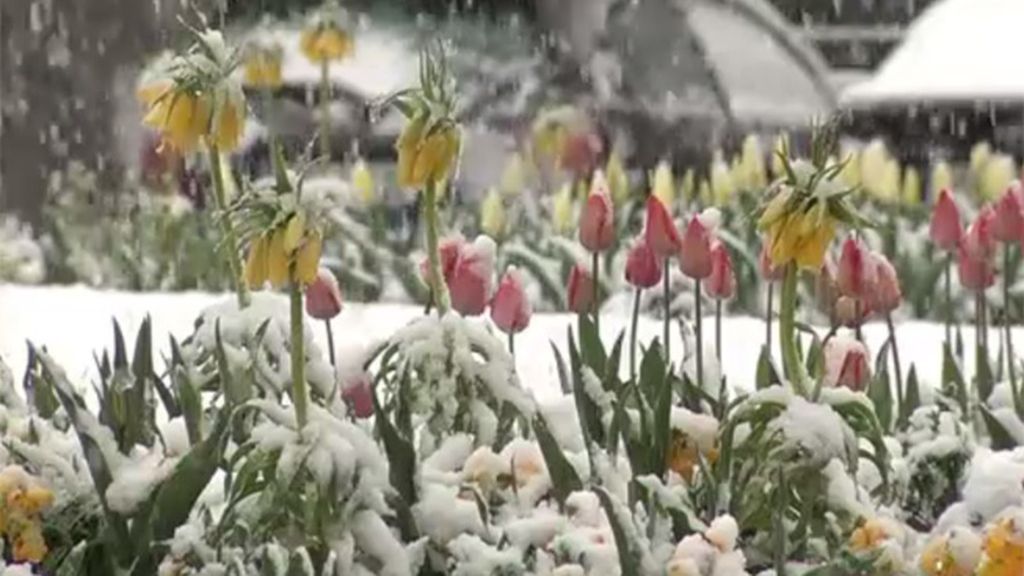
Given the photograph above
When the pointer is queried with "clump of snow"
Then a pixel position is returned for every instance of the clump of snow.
(815, 428)
(843, 493)
(700, 428)
(995, 481)
(443, 515)
(473, 556)
(136, 479)
(712, 553)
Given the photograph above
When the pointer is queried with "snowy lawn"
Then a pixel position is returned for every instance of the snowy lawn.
(73, 322)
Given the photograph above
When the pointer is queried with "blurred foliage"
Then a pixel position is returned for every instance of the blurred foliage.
(282, 8)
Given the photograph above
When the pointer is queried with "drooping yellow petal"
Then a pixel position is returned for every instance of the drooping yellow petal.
(230, 122)
(407, 146)
(256, 269)
(294, 232)
(277, 260)
(775, 210)
(307, 261)
(811, 252)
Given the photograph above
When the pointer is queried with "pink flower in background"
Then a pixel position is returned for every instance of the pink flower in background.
(597, 222)
(357, 392)
(976, 273)
(945, 229)
(511, 309)
(856, 274)
(323, 297)
(826, 290)
(581, 152)
(643, 267)
(449, 248)
(660, 231)
(847, 363)
(721, 284)
(1008, 225)
(979, 240)
(769, 272)
(695, 250)
(851, 312)
(472, 276)
(887, 294)
(580, 292)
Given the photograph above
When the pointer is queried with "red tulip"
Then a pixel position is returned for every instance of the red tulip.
(449, 249)
(580, 290)
(887, 295)
(695, 250)
(847, 363)
(510, 309)
(1008, 225)
(721, 284)
(471, 279)
(979, 240)
(856, 274)
(323, 297)
(976, 273)
(597, 222)
(769, 272)
(659, 230)
(826, 291)
(945, 226)
(358, 394)
(643, 267)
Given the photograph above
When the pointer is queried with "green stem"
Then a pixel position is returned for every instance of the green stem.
(791, 364)
(768, 318)
(897, 368)
(325, 111)
(227, 228)
(595, 305)
(949, 301)
(438, 287)
(718, 331)
(700, 333)
(668, 316)
(512, 344)
(632, 335)
(1008, 323)
(330, 342)
(299, 393)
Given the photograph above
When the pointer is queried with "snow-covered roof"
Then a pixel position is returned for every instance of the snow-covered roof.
(958, 50)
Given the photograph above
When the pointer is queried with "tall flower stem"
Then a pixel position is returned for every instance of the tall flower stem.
(299, 392)
(512, 344)
(325, 111)
(330, 342)
(792, 366)
(949, 301)
(718, 331)
(1008, 323)
(596, 306)
(632, 334)
(897, 367)
(438, 288)
(768, 318)
(699, 329)
(668, 311)
(230, 239)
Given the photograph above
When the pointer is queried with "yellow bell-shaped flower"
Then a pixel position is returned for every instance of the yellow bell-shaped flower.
(288, 253)
(492, 215)
(423, 157)
(326, 43)
(262, 66)
(663, 187)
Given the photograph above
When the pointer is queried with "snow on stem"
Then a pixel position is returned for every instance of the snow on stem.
(227, 228)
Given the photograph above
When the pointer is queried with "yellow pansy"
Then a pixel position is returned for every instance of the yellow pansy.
(937, 559)
(29, 545)
(664, 186)
(362, 182)
(684, 455)
(1004, 550)
(868, 536)
(492, 215)
(562, 211)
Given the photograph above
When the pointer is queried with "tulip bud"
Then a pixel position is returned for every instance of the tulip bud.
(597, 222)
(643, 267)
(979, 240)
(856, 274)
(580, 292)
(769, 272)
(323, 298)
(976, 273)
(1008, 225)
(358, 394)
(945, 227)
(721, 284)
(449, 249)
(826, 290)
(660, 231)
(887, 295)
(561, 210)
(663, 187)
(492, 215)
(510, 309)
(362, 182)
(471, 279)
(695, 250)
(847, 363)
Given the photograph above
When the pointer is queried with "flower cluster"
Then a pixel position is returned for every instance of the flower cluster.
(24, 499)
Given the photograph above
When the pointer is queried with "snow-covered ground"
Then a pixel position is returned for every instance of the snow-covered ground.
(73, 322)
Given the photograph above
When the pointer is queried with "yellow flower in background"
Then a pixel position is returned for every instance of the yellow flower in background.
(663, 186)
(995, 176)
(327, 35)
(688, 188)
(980, 154)
(780, 149)
(492, 215)
(1004, 550)
(562, 218)
(193, 99)
(423, 155)
(911, 195)
(262, 64)
(938, 558)
(618, 180)
(941, 178)
(850, 174)
(362, 182)
(704, 191)
(513, 176)
(288, 253)
(722, 186)
(876, 172)
(752, 162)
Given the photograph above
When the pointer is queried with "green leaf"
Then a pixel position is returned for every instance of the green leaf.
(563, 372)
(564, 479)
(652, 372)
(953, 384)
(880, 388)
(235, 392)
(662, 427)
(767, 374)
(120, 356)
(815, 360)
(591, 348)
(591, 423)
(1001, 438)
(188, 395)
(983, 379)
(913, 400)
(629, 555)
(611, 368)
(141, 420)
(402, 470)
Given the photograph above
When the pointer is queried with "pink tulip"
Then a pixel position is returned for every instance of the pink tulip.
(323, 297)
(449, 249)
(580, 290)
(1008, 225)
(976, 273)
(660, 231)
(945, 227)
(358, 394)
(979, 241)
(581, 152)
(887, 295)
(769, 272)
(721, 284)
(510, 309)
(695, 250)
(643, 267)
(847, 363)
(856, 274)
(826, 290)
(597, 222)
(472, 277)
(851, 312)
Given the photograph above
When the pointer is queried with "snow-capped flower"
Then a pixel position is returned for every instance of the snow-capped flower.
(326, 36)
(510, 308)
(659, 230)
(955, 553)
(472, 277)
(883, 536)
(323, 297)
(1004, 547)
(287, 253)
(597, 222)
(357, 392)
(857, 270)
(261, 63)
(847, 363)
(643, 267)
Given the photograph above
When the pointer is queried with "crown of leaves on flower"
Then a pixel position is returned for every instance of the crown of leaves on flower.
(262, 45)
(436, 96)
(329, 16)
(814, 183)
(205, 66)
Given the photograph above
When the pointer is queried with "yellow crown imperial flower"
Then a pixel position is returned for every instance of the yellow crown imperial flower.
(192, 98)
(492, 215)
(284, 254)
(262, 64)
(326, 37)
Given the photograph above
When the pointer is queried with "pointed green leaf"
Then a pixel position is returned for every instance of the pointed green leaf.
(564, 479)
(120, 355)
(563, 373)
(767, 374)
(1001, 438)
(953, 384)
(913, 399)
(983, 378)
(880, 388)
(591, 348)
(629, 554)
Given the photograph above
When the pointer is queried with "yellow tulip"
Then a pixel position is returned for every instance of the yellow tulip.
(513, 177)
(911, 186)
(562, 211)
(362, 182)
(752, 162)
(996, 176)
(277, 259)
(941, 178)
(664, 187)
(980, 154)
(722, 185)
(850, 174)
(618, 181)
(492, 215)
(307, 259)
(778, 150)
(688, 188)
